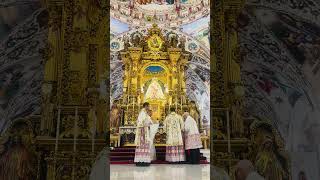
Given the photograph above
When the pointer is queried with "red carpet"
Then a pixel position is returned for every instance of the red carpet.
(125, 155)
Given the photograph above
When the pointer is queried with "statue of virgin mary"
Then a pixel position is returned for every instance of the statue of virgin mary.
(154, 90)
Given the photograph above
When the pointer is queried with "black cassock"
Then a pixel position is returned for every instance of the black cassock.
(193, 156)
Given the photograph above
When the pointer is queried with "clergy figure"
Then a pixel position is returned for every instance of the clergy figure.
(173, 126)
(192, 139)
(145, 150)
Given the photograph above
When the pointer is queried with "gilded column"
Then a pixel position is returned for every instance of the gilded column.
(54, 42)
(53, 56)
(217, 33)
(64, 78)
(233, 73)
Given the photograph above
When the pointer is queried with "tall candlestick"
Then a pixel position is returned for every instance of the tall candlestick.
(57, 140)
(58, 129)
(176, 102)
(94, 130)
(128, 104)
(181, 103)
(133, 106)
(121, 112)
(128, 99)
(75, 129)
(74, 142)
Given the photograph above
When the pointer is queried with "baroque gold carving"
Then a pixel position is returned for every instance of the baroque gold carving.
(80, 39)
(55, 17)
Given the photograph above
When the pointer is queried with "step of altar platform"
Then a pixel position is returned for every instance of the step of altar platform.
(125, 155)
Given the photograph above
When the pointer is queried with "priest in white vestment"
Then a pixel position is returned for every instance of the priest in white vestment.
(173, 126)
(145, 150)
(192, 139)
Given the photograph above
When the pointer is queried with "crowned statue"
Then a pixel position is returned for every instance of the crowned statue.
(154, 90)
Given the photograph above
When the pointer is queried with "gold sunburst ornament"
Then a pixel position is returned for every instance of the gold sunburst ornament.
(155, 43)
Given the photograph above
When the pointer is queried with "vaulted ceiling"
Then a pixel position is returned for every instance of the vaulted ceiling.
(280, 47)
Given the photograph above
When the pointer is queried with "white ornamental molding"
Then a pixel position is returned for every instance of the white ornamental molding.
(192, 46)
(116, 45)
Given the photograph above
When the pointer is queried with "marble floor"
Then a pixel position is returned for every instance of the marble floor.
(160, 172)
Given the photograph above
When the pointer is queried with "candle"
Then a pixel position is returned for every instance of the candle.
(74, 142)
(181, 103)
(121, 112)
(75, 129)
(128, 104)
(128, 99)
(58, 129)
(94, 130)
(176, 102)
(133, 106)
(57, 139)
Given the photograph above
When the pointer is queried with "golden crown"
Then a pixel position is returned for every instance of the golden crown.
(154, 30)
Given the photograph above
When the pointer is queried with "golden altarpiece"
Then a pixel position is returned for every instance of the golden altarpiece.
(153, 75)
(68, 134)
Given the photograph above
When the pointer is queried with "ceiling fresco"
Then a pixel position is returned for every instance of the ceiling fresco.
(21, 64)
(280, 44)
(165, 12)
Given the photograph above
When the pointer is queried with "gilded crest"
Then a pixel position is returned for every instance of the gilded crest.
(155, 43)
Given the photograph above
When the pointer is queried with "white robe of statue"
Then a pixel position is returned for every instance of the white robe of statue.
(154, 90)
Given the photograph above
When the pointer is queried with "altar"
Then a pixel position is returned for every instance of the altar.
(126, 137)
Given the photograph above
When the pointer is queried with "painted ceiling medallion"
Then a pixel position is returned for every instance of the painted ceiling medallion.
(116, 45)
(192, 46)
